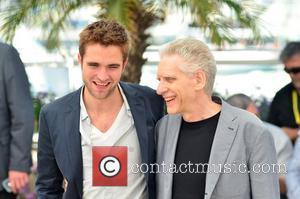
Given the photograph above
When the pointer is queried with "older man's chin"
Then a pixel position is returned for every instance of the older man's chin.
(172, 111)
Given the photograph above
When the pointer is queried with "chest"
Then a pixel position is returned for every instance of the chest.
(104, 121)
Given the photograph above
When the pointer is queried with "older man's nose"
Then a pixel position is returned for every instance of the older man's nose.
(161, 89)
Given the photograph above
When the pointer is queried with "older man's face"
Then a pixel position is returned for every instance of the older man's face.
(175, 86)
(294, 62)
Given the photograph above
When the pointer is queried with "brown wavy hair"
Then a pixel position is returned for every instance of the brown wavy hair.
(105, 32)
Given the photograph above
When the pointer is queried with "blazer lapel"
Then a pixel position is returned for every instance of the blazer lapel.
(224, 137)
(137, 108)
(73, 140)
(172, 138)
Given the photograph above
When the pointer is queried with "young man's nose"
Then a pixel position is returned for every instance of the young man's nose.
(102, 74)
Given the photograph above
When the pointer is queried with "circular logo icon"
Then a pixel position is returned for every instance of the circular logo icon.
(109, 166)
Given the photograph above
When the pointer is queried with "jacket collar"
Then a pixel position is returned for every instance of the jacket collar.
(73, 137)
(223, 140)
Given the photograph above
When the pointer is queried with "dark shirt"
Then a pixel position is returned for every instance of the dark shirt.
(281, 110)
(193, 146)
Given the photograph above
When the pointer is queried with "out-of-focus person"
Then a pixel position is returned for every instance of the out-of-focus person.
(293, 173)
(16, 122)
(283, 145)
(284, 110)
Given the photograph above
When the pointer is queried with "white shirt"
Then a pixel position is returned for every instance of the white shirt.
(121, 133)
(283, 146)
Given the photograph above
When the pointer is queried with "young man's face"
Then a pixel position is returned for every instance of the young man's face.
(175, 86)
(102, 67)
(294, 62)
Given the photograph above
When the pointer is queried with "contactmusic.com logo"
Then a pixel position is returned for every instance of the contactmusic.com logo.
(109, 165)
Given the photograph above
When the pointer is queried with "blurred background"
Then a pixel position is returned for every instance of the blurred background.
(246, 37)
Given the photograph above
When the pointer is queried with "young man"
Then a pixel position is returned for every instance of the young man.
(211, 149)
(104, 112)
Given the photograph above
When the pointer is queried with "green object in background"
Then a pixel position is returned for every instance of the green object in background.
(37, 105)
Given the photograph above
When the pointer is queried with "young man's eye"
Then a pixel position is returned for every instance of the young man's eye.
(113, 66)
(92, 64)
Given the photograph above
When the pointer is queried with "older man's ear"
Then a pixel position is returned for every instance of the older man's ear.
(200, 79)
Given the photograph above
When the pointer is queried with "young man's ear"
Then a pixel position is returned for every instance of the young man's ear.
(200, 78)
(79, 59)
(125, 64)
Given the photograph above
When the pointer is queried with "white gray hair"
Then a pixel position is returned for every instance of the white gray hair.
(197, 55)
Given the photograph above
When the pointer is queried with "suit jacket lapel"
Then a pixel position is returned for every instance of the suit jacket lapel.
(73, 140)
(172, 138)
(224, 137)
(137, 108)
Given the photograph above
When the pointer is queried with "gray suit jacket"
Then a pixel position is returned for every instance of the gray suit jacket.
(16, 114)
(240, 139)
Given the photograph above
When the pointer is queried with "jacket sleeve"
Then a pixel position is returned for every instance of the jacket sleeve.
(21, 109)
(263, 170)
(49, 180)
(293, 173)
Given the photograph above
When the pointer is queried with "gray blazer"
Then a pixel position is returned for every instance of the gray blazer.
(16, 114)
(240, 139)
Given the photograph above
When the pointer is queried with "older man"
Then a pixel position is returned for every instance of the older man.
(211, 149)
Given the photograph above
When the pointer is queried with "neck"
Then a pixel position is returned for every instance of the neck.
(100, 106)
(201, 109)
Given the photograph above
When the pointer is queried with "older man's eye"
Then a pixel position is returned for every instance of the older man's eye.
(170, 79)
